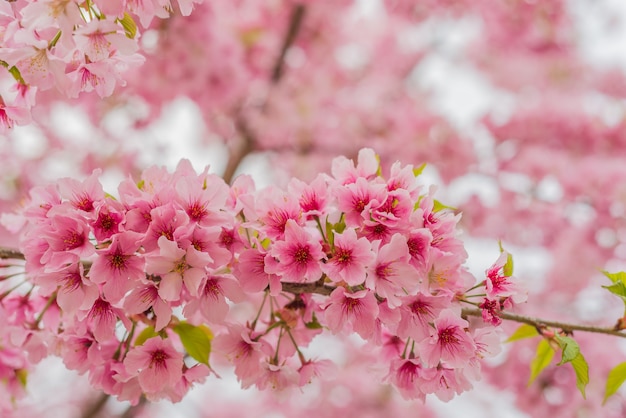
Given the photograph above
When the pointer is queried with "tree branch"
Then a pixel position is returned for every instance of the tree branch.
(247, 137)
(324, 289)
(95, 408)
(295, 22)
(538, 322)
(9, 254)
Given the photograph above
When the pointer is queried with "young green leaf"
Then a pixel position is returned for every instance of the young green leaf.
(196, 340)
(569, 347)
(616, 277)
(618, 289)
(542, 359)
(524, 331)
(617, 376)
(581, 368)
(145, 335)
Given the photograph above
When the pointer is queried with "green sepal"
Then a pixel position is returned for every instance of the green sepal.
(438, 206)
(524, 331)
(419, 170)
(129, 25)
(196, 339)
(22, 376)
(542, 359)
(14, 71)
(614, 381)
(314, 324)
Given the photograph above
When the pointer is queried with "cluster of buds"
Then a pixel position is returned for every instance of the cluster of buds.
(139, 290)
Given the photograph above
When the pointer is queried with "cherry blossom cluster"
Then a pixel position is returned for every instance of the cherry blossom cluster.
(72, 46)
(138, 291)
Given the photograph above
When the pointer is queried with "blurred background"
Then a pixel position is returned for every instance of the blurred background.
(517, 107)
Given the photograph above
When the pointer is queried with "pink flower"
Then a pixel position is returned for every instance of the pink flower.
(119, 266)
(297, 258)
(244, 351)
(251, 273)
(156, 363)
(100, 39)
(358, 199)
(211, 301)
(408, 376)
(313, 197)
(177, 267)
(83, 195)
(391, 275)
(417, 313)
(164, 220)
(68, 238)
(145, 297)
(102, 319)
(345, 172)
(350, 260)
(276, 377)
(359, 310)
(449, 343)
(107, 223)
(275, 208)
(203, 201)
(74, 291)
(498, 285)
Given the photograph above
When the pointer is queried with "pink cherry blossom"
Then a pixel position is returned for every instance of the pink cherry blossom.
(449, 342)
(297, 258)
(157, 364)
(351, 259)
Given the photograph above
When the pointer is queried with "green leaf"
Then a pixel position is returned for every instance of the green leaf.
(569, 347)
(145, 335)
(618, 289)
(542, 359)
(524, 331)
(129, 25)
(617, 376)
(616, 277)
(196, 340)
(417, 171)
(581, 368)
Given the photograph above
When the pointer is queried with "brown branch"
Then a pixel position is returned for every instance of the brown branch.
(299, 288)
(323, 289)
(95, 408)
(9, 254)
(539, 323)
(248, 140)
(295, 22)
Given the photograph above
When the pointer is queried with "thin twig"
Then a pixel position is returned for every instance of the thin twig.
(539, 323)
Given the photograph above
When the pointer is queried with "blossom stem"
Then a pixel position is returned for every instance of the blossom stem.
(49, 303)
(258, 315)
(539, 323)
